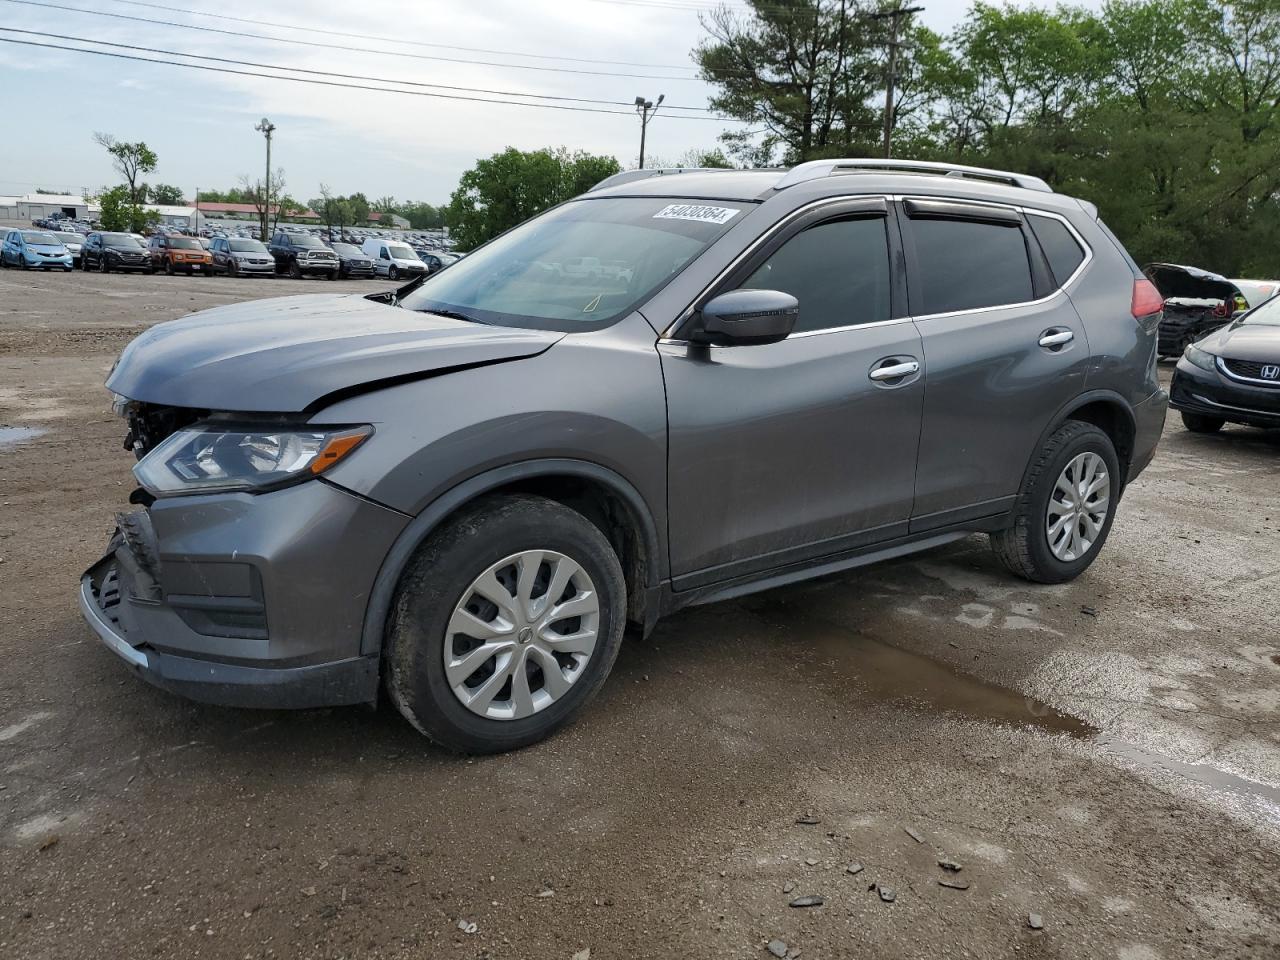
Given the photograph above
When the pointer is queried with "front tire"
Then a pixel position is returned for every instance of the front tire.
(1065, 508)
(481, 656)
(295, 271)
(1199, 423)
(393, 272)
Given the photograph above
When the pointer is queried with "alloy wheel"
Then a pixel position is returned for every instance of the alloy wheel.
(1078, 507)
(521, 635)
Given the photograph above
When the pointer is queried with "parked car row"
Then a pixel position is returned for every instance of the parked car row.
(294, 253)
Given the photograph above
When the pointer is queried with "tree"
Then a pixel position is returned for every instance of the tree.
(130, 159)
(805, 70)
(120, 213)
(265, 203)
(166, 195)
(509, 187)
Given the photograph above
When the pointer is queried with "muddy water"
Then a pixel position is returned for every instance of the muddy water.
(12, 436)
(888, 674)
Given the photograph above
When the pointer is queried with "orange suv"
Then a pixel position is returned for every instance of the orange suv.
(172, 254)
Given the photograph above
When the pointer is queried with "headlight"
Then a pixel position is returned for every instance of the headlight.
(203, 459)
(1199, 358)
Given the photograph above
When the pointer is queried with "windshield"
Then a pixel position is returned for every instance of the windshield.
(583, 264)
(121, 241)
(246, 246)
(68, 237)
(346, 250)
(305, 240)
(41, 239)
(1267, 315)
(183, 243)
(398, 251)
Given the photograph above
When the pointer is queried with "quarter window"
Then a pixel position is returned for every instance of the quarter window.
(967, 265)
(838, 270)
(1060, 247)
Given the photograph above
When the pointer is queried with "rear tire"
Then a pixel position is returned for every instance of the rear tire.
(1057, 533)
(445, 575)
(1199, 423)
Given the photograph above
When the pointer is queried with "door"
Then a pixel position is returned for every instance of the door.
(1004, 351)
(786, 452)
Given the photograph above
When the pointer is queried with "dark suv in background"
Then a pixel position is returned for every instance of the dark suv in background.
(463, 491)
(302, 255)
(105, 252)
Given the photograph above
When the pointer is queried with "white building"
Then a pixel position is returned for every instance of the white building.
(34, 205)
(8, 208)
(184, 218)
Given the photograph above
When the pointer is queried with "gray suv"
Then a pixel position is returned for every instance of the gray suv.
(465, 490)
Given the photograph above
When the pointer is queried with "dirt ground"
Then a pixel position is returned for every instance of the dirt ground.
(1104, 755)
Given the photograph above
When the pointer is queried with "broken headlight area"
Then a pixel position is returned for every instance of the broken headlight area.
(209, 457)
(150, 424)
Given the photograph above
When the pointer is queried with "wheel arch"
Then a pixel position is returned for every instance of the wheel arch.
(1106, 410)
(602, 495)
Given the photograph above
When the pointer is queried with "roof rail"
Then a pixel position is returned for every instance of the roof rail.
(629, 176)
(816, 169)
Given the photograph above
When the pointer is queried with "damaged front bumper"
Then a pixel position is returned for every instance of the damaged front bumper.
(248, 601)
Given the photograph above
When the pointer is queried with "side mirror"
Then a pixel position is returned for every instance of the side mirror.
(744, 317)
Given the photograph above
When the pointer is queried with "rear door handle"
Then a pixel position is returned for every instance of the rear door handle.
(1056, 338)
(895, 371)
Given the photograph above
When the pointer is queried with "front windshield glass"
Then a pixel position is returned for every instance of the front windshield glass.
(399, 251)
(183, 243)
(120, 241)
(346, 250)
(246, 246)
(41, 239)
(583, 264)
(1267, 315)
(68, 237)
(305, 240)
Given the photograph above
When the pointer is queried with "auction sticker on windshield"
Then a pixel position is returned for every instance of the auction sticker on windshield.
(696, 211)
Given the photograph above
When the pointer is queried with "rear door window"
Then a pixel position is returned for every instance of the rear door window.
(1060, 246)
(968, 264)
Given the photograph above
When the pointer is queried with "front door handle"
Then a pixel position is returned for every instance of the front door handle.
(895, 371)
(1056, 338)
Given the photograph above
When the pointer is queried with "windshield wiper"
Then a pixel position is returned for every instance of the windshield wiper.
(455, 315)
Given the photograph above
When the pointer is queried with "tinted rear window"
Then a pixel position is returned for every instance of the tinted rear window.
(1060, 248)
(965, 265)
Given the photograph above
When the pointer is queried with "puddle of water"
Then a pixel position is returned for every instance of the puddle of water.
(12, 436)
(888, 674)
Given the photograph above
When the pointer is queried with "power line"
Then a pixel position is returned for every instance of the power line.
(345, 48)
(167, 8)
(335, 83)
(330, 73)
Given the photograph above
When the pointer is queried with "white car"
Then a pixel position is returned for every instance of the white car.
(393, 259)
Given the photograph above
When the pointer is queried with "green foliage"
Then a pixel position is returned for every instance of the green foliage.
(166, 194)
(131, 160)
(510, 187)
(1165, 113)
(120, 213)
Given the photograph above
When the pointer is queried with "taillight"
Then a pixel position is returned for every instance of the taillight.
(1146, 299)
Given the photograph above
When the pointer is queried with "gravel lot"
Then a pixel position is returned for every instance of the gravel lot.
(1104, 755)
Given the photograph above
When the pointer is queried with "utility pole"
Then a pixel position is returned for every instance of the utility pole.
(895, 17)
(266, 128)
(646, 109)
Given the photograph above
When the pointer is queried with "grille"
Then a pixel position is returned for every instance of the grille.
(1251, 369)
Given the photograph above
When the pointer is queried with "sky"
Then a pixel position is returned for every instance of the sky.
(201, 123)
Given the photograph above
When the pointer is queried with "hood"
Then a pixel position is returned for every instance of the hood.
(1190, 283)
(1259, 342)
(286, 355)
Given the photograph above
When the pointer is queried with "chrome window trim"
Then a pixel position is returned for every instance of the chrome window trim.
(1221, 363)
(667, 338)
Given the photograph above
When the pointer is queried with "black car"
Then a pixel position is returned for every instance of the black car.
(105, 252)
(302, 255)
(352, 261)
(436, 261)
(1232, 375)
